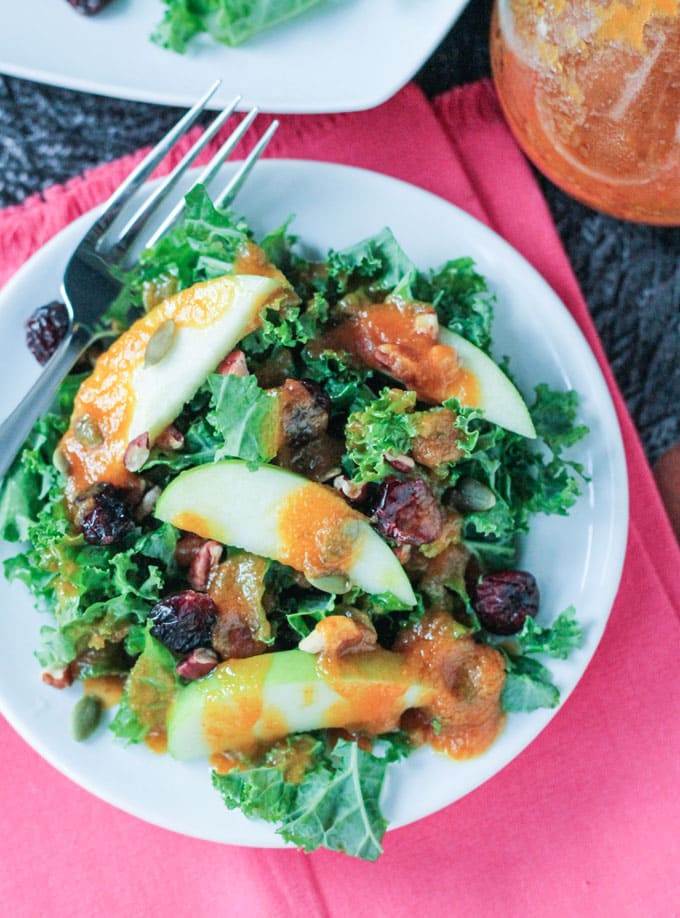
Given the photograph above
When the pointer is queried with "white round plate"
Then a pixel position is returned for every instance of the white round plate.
(344, 55)
(576, 559)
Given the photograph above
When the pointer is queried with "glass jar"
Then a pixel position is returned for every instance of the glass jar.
(591, 89)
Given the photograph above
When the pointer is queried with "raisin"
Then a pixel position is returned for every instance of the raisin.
(45, 330)
(184, 621)
(503, 600)
(103, 514)
(305, 409)
(319, 394)
(88, 7)
(408, 512)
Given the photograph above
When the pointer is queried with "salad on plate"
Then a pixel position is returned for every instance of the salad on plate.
(274, 517)
(230, 22)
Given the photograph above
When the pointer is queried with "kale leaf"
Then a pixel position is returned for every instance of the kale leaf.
(203, 246)
(227, 22)
(245, 416)
(462, 299)
(149, 691)
(383, 428)
(335, 805)
(528, 683)
(379, 259)
(528, 686)
(557, 640)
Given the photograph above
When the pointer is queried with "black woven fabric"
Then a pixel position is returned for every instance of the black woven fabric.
(629, 274)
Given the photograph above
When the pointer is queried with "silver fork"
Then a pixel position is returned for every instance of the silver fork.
(89, 286)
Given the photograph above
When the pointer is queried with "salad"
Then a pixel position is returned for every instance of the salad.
(273, 517)
(231, 22)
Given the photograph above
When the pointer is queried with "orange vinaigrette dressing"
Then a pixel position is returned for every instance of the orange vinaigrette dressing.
(591, 90)
(387, 337)
(246, 679)
(107, 397)
(318, 531)
(464, 716)
(109, 689)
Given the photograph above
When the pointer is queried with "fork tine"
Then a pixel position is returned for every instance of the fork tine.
(141, 172)
(229, 192)
(207, 174)
(139, 219)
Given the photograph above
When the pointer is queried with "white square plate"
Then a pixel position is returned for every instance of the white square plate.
(345, 55)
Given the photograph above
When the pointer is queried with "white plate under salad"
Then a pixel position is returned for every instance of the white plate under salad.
(576, 559)
(344, 55)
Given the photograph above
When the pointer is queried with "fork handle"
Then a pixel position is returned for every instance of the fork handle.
(17, 426)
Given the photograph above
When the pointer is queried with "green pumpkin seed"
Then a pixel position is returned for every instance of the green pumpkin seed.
(86, 716)
(471, 496)
(333, 583)
(87, 431)
(60, 462)
(160, 343)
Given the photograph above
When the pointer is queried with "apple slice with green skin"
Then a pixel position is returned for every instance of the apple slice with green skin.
(499, 400)
(141, 383)
(274, 513)
(264, 698)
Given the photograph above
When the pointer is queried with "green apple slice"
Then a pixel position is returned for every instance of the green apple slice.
(274, 513)
(162, 389)
(264, 698)
(141, 383)
(499, 400)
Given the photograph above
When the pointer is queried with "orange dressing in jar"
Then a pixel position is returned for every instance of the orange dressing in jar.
(591, 91)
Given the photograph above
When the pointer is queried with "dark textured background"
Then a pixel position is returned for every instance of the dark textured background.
(630, 274)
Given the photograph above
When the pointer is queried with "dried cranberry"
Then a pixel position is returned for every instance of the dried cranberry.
(408, 511)
(45, 329)
(184, 621)
(503, 600)
(103, 514)
(88, 7)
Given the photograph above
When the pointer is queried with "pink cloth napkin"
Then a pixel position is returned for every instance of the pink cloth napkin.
(585, 822)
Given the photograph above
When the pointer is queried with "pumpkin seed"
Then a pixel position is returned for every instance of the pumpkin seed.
(87, 431)
(471, 496)
(333, 583)
(60, 462)
(157, 290)
(86, 716)
(160, 343)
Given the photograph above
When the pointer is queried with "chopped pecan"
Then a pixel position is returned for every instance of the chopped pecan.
(58, 677)
(137, 452)
(436, 439)
(170, 439)
(203, 563)
(338, 635)
(234, 364)
(356, 492)
(148, 502)
(186, 548)
(232, 639)
(198, 663)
